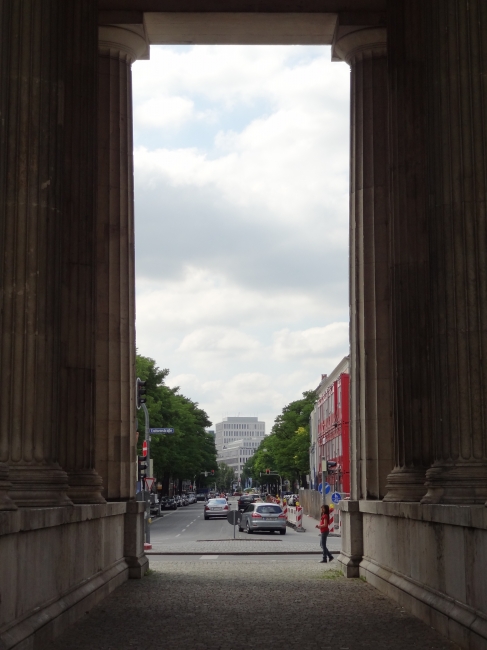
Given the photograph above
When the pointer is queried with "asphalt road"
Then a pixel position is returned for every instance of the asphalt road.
(185, 531)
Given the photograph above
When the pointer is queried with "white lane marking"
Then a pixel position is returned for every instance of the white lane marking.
(178, 535)
(209, 557)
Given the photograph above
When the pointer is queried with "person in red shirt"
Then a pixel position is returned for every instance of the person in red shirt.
(323, 526)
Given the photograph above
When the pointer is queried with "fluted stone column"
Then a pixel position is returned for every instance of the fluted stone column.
(410, 255)
(32, 61)
(370, 381)
(456, 94)
(78, 287)
(115, 327)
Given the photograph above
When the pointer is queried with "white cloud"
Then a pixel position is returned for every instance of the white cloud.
(314, 342)
(241, 178)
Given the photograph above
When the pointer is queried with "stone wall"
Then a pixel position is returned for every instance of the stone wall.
(57, 563)
(431, 559)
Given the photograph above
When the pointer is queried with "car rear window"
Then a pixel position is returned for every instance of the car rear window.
(269, 510)
(218, 502)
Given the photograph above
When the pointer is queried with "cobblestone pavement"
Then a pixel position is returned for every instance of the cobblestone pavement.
(219, 604)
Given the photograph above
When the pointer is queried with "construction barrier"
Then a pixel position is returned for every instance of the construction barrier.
(284, 507)
(299, 518)
(331, 521)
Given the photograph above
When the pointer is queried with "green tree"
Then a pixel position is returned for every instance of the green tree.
(191, 449)
(224, 477)
(286, 449)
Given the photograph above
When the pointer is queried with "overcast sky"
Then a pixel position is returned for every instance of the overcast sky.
(241, 203)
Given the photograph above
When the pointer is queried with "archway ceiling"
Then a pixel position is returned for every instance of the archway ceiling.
(298, 22)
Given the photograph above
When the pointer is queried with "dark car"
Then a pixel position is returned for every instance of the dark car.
(245, 500)
(168, 503)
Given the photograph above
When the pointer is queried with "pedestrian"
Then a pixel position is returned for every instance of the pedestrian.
(323, 526)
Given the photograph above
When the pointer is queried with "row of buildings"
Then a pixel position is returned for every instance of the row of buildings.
(330, 430)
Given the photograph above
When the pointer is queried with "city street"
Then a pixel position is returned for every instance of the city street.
(185, 531)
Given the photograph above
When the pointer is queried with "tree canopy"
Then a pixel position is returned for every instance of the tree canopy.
(286, 449)
(191, 449)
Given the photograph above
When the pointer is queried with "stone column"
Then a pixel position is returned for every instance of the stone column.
(115, 326)
(370, 381)
(78, 288)
(410, 259)
(456, 109)
(32, 60)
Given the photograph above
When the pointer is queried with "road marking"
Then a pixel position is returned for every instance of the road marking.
(178, 535)
(209, 557)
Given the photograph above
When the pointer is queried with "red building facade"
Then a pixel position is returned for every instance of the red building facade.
(333, 415)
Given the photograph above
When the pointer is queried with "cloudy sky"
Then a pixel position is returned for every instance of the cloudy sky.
(241, 199)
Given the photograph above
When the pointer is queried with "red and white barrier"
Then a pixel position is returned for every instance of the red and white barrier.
(299, 518)
(284, 507)
(331, 521)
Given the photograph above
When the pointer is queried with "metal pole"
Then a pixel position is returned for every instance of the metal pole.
(147, 500)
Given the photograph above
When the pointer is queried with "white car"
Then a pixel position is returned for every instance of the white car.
(216, 508)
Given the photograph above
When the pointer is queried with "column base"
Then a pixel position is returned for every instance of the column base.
(406, 484)
(39, 486)
(464, 483)
(6, 502)
(85, 486)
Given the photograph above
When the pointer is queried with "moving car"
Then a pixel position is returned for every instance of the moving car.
(216, 508)
(263, 516)
(246, 499)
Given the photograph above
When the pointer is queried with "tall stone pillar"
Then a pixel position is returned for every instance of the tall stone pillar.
(78, 286)
(456, 109)
(410, 255)
(115, 326)
(32, 60)
(370, 405)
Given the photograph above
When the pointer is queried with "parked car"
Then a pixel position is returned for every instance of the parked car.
(185, 500)
(263, 516)
(168, 503)
(216, 508)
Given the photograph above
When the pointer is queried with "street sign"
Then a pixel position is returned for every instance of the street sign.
(161, 430)
(320, 488)
(327, 488)
(144, 448)
(149, 482)
(233, 517)
(335, 497)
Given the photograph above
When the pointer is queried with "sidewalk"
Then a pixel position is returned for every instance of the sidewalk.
(261, 603)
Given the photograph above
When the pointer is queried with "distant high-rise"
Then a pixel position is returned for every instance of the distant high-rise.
(236, 440)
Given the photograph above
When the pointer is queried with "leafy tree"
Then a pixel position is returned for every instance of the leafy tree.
(286, 449)
(225, 477)
(191, 449)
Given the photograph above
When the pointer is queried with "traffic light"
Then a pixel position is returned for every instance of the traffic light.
(268, 471)
(213, 472)
(141, 468)
(330, 466)
(140, 392)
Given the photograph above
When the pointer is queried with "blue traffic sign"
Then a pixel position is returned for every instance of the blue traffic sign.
(327, 488)
(335, 497)
(162, 430)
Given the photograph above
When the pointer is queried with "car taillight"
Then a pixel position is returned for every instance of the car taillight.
(282, 516)
(255, 515)
(207, 508)
(225, 508)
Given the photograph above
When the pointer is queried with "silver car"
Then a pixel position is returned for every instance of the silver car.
(263, 516)
(216, 508)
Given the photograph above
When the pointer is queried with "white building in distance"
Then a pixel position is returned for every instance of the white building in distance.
(236, 440)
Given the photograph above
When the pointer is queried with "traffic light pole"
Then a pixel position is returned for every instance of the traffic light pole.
(147, 496)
